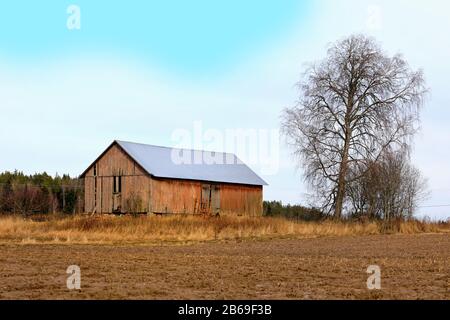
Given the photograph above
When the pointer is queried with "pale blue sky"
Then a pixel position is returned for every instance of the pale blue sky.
(193, 36)
(139, 72)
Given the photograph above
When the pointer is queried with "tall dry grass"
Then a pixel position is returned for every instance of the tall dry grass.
(126, 229)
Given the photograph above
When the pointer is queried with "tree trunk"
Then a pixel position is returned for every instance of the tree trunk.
(342, 175)
(341, 191)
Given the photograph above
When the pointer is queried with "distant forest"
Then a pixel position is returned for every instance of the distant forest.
(296, 212)
(39, 193)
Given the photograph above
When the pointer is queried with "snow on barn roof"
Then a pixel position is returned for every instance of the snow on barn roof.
(164, 162)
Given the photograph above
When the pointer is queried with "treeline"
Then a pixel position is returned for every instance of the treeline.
(39, 193)
(296, 212)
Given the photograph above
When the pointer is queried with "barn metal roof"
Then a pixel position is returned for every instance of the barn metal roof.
(187, 164)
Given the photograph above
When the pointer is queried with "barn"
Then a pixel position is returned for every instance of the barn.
(138, 178)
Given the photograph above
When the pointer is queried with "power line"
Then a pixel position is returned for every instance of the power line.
(436, 206)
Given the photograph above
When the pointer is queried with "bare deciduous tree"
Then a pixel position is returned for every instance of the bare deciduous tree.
(390, 188)
(354, 104)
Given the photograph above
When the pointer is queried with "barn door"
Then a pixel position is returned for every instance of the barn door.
(215, 199)
(206, 199)
(117, 194)
(210, 199)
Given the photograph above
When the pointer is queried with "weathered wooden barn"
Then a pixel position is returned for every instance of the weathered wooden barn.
(137, 178)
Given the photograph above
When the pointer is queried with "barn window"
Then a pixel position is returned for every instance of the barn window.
(117, 184)
(95, 170)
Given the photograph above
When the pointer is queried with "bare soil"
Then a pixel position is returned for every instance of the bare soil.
(412, 267)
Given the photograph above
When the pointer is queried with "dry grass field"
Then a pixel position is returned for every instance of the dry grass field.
(226, 258)
(108, 229)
